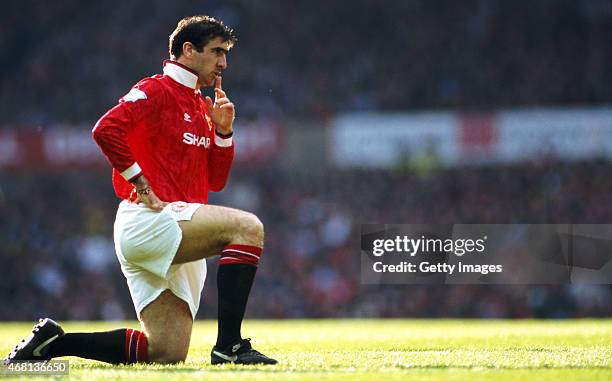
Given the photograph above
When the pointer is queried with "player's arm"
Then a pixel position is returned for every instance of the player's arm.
(222, 113)
(111, 132)
(220, 162)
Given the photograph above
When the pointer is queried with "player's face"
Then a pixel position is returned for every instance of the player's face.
(211, 61)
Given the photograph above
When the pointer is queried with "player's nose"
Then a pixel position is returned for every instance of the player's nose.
(222, 62)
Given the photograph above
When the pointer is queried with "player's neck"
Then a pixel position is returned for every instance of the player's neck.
(184, 62)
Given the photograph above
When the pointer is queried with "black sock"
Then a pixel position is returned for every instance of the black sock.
(234, 283)
(102, 346)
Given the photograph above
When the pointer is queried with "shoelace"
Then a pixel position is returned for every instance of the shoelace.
(251, 350)
(244, 342)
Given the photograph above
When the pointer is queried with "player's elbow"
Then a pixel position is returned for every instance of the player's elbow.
(217, 186)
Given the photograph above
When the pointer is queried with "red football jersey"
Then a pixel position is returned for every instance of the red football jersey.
(162, 128)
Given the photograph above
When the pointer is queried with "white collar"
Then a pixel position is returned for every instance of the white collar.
(180, 73)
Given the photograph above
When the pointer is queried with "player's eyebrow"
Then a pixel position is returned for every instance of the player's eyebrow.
(220, 49)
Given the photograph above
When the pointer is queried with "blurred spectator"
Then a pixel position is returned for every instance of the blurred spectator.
(58, 259)
(68, 60)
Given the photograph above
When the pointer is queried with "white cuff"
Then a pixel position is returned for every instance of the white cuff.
(221, 142)
(132, 171)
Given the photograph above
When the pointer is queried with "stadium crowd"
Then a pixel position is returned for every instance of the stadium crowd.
(77, 58)
(58, 257)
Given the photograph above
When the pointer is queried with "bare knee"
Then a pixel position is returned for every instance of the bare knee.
(164, 355)
(212, 228)
(167, 322)
(250, 230)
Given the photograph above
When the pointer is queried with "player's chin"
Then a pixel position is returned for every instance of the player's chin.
(210, 80)
(207, 81)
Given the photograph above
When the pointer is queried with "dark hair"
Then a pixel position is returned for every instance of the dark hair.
(198, 30)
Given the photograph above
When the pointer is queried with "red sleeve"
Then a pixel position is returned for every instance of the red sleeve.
(220, 163)
(111, 131)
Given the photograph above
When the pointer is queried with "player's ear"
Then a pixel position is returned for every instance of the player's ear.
(188, 49)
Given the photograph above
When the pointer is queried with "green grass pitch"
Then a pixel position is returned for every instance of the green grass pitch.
(377, 350)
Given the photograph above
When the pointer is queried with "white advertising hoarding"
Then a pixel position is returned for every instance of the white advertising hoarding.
(380, 140)
(568, 134)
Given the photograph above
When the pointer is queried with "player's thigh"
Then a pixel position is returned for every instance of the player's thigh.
(167, 321)
(212, 227)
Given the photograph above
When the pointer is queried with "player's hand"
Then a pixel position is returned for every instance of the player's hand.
(222, 111)
(147, 196)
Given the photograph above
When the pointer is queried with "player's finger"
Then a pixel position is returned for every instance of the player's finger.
(220, 94)
(147, 201)
(218, 82)
(222, 101)
(227, 105)
(151, 200)
(156, 204)
(209, 102)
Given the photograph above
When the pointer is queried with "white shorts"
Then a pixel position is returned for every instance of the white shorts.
(146, 242)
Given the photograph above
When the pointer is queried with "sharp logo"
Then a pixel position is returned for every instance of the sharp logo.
(195, 140)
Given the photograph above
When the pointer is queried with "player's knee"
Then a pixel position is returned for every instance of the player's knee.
(165, 355)
(173, 358)
(252, 229)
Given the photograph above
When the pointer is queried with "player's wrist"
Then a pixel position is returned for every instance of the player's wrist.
(144, 191)
(224, 140)
(224, 134)
(134, 180)
(140, 183)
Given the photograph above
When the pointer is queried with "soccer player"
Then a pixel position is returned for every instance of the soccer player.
(168, 147)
